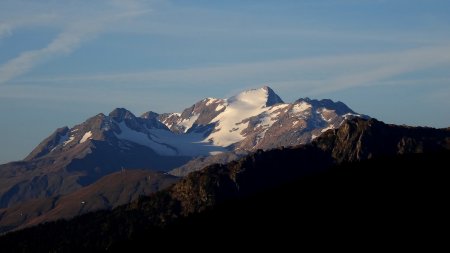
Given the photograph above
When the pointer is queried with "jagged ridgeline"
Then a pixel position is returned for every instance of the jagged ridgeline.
(69, 164)
(365, 176)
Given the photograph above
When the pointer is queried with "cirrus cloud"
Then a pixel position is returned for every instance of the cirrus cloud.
(75, 32)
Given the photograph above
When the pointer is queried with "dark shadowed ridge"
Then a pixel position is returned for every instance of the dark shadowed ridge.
(73, 158)
(272, 97)
(360, 178)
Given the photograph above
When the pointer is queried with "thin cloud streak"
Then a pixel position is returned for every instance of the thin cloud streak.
(329, 73)
(406, 62)
(65, 43)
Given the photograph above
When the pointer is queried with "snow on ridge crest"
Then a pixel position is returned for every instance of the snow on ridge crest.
(221, 123)
(230, 124)
(253, 98)
(86, 136)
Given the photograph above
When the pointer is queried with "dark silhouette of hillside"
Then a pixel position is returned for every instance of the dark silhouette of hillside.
(346, 186)
(391, 196)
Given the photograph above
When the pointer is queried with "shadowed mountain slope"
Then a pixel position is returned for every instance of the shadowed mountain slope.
(343, 179)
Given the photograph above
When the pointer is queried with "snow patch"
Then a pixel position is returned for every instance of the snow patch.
(267, 121)
(261, 135)
(240, 107)
(270, 117)
(301, 107)
(348, 115)
(69, 140)
(327, 128)
(210, 101)
(62, 139)
(219, 107)
(86, 136)
(323, 117)
(278, 107)
(170, 116)
(187, 123)
(314, 136)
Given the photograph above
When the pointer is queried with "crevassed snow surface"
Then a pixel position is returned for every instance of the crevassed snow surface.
(242, 106)
(86, 136)
(129, 134)
(167, 143)
(190, 144)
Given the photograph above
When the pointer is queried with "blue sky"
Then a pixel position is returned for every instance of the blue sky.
(64, 61)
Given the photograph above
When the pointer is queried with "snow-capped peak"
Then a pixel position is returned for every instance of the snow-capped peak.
(261, 97)
(250, 120)
(230, 124)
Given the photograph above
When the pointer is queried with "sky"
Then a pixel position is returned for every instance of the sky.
(64, 61)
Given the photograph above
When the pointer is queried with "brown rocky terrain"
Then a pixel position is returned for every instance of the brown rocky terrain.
(368, 166)
(110, 191)
(73, 158)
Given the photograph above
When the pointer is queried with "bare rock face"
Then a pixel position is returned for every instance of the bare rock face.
(199, 114)
(258, 119)
(358, 139)
(45, 147)
(72, 158)
(255, 119)
(210, 131)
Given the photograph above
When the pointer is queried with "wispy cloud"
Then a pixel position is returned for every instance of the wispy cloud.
(317, 75)
(391, 65)
(69, 39)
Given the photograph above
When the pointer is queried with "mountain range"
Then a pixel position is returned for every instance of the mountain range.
(210, 131)
(355, 182)
(110, 161)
